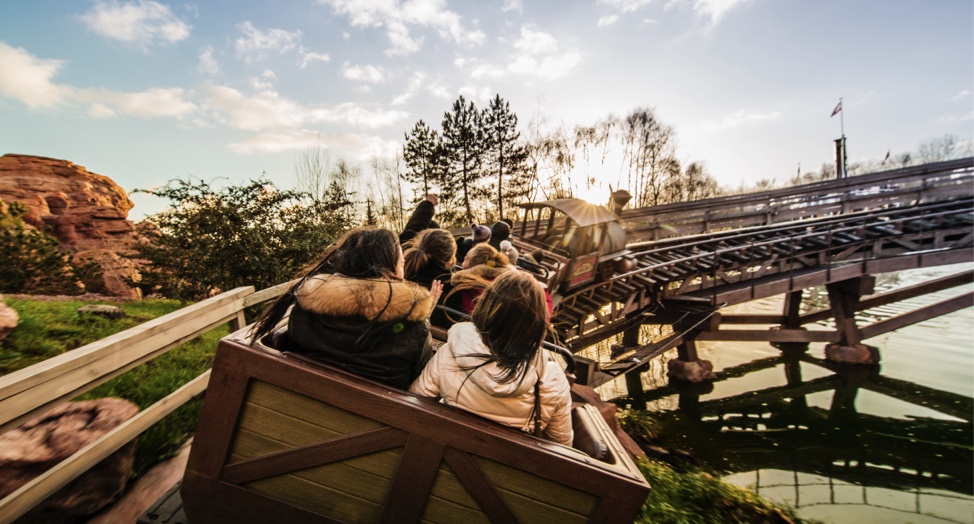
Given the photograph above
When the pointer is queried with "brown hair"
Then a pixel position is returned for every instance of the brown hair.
(512, 319)
(429, 246)
(362, 252)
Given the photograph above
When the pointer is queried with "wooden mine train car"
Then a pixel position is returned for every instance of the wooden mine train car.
(578, 242)
(282, 438)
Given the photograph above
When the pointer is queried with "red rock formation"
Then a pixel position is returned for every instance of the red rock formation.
(86, 212)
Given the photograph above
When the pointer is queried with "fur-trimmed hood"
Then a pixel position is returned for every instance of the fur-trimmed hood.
(374, 299)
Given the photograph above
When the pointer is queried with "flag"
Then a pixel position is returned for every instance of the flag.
(837, 109)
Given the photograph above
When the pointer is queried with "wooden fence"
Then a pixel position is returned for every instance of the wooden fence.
(29, 392)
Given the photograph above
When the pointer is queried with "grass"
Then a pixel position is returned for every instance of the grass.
(695, 496)
(51, 327)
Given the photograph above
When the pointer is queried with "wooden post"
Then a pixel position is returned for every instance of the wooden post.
(844, 301)
(792, 309)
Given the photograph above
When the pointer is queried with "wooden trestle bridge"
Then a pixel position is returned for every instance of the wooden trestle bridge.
(690, 259)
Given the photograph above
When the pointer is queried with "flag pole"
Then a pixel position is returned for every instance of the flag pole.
(842, 117)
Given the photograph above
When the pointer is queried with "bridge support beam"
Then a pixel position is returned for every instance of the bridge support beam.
(844, 299)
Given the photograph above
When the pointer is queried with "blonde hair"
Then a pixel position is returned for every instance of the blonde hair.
(485, 254)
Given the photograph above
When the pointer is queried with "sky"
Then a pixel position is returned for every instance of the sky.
(225, 91)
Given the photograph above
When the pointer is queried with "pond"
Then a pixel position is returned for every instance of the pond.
(889, 443)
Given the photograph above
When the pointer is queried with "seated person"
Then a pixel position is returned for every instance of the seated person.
(430, 256)
(464, 245)
(499, 232)
(494, 365)
(352, 309)
(481, 266)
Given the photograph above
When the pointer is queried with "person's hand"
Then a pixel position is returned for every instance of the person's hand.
(432, 198)
(436, 289)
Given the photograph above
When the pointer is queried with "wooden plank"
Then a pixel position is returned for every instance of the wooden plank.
(769, 335)
(268, 293)
(510, 480)
(377, 466)
(919, 315)
(29, 495)
(317, 498)
(308, 410)
(479, 486)
(313, 455)
(414, 480)
(752, 319)
(26, 391)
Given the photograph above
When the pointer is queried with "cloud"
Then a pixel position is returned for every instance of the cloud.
(715, 10)
(355, 146)
(151, 103)
(368, 73)
(397, 17)
(740, 118)
(413, 87)
(255, 44)
(312, 57)
(536, 53)
(27, 78)
(957, 118)
(207, 64)
(267, 111)
(964, 93)
(512, 5)
(142, 22)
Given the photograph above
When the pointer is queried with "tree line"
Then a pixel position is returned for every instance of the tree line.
(477, 160)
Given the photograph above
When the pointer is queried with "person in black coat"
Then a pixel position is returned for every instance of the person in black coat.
(431, 256)
(353, 309)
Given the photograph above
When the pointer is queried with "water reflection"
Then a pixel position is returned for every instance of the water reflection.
(806, 442)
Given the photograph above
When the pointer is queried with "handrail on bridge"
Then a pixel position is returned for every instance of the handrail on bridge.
(916, 184)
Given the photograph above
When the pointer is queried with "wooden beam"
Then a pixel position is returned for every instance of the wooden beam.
(926, 313)
(769, 335)
(36, 491)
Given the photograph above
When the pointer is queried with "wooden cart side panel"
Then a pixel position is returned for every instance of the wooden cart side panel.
(311, 435)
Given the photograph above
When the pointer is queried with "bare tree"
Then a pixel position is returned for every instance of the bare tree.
(312, 170)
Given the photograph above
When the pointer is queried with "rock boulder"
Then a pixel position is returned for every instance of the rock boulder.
(43, 442)
(87, 212)
(8, 319)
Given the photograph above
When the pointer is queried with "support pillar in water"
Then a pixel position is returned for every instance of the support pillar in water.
(792, 314)
(687, 366)
(844, 300)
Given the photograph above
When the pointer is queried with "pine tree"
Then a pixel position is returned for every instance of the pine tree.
(422, 154)
(463, 155)
(505, 155)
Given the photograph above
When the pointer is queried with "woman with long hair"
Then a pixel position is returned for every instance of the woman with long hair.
(430, 256)
(352, 309)
(494, 365)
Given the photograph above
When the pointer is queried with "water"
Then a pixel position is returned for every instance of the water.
(846, 444)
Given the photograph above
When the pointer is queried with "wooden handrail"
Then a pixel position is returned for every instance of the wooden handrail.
(34, 492)
(31, 391)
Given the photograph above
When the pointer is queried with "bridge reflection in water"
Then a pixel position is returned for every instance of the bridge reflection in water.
(806, 443)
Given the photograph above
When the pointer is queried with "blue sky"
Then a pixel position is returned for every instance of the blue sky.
(147, 91)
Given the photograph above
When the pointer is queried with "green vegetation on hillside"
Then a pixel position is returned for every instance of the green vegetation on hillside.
(51, 327)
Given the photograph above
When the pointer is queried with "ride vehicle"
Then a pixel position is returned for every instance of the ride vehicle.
(283, 438)
(577, 242)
